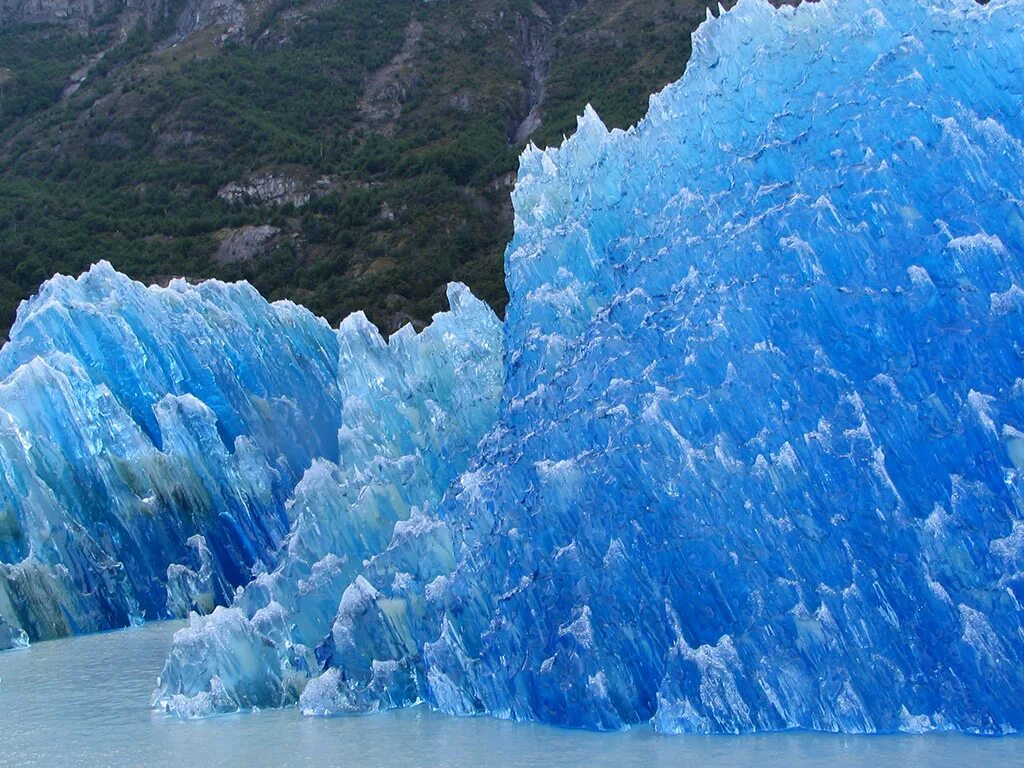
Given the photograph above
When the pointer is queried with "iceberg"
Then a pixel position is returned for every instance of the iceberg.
(151, 439)
(11, 637)
(134, 418)
(413, 410)
(758, 461)
(746, 453)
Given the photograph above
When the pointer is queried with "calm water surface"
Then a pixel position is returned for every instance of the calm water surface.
(84, 703)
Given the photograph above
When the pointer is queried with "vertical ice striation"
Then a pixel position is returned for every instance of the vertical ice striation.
(413, 409)
(758, 464)
(151, 438)
(133, 418)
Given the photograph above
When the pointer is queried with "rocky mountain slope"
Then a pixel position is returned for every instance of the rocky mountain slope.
(344, 155)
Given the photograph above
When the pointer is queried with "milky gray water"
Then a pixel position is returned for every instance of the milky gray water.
(83, 702)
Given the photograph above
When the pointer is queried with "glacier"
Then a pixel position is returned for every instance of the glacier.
(744, 455)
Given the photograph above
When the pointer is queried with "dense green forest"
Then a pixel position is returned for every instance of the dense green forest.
(390, 127)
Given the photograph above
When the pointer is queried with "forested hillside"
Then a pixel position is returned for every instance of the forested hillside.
(347, 155)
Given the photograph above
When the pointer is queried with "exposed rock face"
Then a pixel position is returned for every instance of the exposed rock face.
(245, 243)
(536, 44)
(190, 16)
(272, 189)
(76, 13)
(385, 92)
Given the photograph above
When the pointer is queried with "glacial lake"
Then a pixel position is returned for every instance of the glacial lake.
(84, 702)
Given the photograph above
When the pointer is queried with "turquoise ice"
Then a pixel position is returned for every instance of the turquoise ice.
(413, 410)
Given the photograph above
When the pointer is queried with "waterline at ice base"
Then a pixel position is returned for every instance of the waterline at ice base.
(744, 454)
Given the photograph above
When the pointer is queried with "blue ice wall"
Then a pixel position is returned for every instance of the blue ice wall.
(132, 418)
(151, 439)
(759, 459)
(413, 410)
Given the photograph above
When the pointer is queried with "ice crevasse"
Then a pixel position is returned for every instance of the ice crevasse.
(752, 430)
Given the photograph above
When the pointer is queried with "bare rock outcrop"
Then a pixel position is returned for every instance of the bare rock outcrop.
(273, 188)
(244, 243)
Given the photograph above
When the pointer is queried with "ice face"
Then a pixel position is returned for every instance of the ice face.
(413, 409)
(750, 454)
(11, 637)
(151, 438)
(758, 463)
(133, 418)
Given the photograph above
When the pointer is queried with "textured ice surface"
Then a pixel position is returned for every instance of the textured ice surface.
(11, 637)
(132, 418)
(151, 438)
(758, 462)
(413, 409)
(757, 458)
